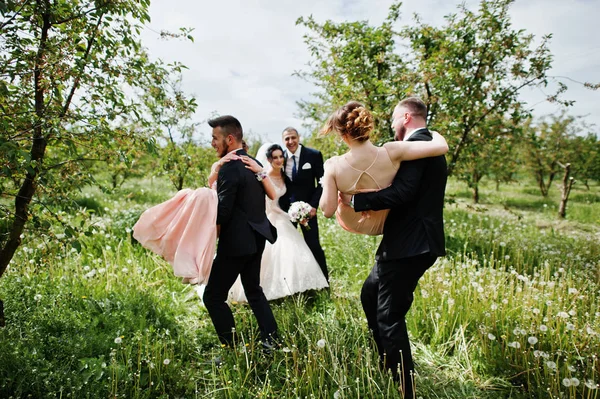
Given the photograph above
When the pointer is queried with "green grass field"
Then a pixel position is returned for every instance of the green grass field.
(513, 311)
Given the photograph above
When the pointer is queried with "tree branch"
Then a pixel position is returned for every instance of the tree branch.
(14, 16)
(84, 58)
(80, 14)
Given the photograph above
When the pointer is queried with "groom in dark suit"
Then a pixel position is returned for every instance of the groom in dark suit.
(244, 228)
(303, 171)
(413, 238)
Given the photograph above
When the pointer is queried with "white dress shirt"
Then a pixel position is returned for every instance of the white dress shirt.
(290, 163)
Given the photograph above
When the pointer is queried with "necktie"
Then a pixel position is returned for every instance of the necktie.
(294, 169)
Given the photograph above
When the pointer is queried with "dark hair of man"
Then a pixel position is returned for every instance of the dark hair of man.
(229, 126)
(415, 106)
(290, 129)
(272, 149)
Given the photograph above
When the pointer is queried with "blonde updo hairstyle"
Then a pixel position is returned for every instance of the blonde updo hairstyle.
(351, 120)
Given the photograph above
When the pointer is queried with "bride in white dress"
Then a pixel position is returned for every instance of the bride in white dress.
(288, 266)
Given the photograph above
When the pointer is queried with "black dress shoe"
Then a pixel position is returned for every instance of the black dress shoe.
(271, 344)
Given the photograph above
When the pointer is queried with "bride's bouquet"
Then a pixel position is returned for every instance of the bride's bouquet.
(299, 212)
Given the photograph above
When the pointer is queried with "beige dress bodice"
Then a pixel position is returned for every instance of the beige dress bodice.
(351, 180)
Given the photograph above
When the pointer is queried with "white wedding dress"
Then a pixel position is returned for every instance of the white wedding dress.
(288, 266)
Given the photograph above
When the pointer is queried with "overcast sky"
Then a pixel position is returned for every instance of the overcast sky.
(245, 52)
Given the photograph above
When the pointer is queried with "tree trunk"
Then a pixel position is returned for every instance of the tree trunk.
(476, 193)
(567, 183)
(38, 149)
(542, 185)
(459, 147)
(115, 178)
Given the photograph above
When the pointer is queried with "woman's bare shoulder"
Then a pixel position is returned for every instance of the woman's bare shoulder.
(332, 161)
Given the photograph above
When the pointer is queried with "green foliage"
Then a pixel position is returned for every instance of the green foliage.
(469, 71)
(354, 61)
(547, 147)
(69, 75)
(182, 158)
(113, 321)
(584, 156)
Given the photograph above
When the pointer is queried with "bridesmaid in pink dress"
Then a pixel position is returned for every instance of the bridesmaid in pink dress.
(183, 229)
(365, 167)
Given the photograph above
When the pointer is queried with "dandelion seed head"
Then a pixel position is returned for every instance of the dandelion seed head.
(574, 382)
(321, 343)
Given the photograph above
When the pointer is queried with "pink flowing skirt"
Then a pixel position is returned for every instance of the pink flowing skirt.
(183, 231)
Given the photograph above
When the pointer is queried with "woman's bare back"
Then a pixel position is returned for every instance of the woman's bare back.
(362, 172)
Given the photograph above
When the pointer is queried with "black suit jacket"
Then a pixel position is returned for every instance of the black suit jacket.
(241, 210)
(415, 224)
(306, 187)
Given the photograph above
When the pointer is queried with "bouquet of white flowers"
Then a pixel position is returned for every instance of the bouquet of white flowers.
(299, 212)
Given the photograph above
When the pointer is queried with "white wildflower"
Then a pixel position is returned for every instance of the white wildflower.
(551, 365)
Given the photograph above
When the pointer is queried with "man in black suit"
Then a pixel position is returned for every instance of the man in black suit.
(303, 171)
(413, 238)
(244, 228)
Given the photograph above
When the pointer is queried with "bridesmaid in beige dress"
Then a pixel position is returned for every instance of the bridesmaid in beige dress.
(365, 167)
